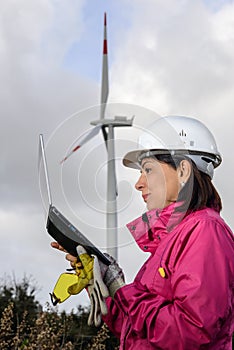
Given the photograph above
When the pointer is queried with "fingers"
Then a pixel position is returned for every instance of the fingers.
(72, 259)
(56, 245)
(69, 257)
(91, 314)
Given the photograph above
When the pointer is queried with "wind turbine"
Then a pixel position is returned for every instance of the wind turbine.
(107, 126)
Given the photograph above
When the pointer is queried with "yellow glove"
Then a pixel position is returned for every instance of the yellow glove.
(73, 283)
(85, 274)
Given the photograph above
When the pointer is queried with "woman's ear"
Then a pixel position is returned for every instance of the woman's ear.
(184, 171)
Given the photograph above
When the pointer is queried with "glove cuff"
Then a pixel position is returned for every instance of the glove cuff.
(115, 285)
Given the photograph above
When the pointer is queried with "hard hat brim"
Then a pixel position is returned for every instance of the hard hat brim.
(131, 159)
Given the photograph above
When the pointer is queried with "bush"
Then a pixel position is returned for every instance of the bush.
(24, 326)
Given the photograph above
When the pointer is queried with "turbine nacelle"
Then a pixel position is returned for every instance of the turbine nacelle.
(117, 121)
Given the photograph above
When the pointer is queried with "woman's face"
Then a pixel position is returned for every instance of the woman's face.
(158, 183)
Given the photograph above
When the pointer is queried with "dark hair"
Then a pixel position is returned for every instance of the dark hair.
(199, 191)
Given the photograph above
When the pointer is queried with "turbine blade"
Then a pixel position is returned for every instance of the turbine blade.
(105, 79)
(88, 136)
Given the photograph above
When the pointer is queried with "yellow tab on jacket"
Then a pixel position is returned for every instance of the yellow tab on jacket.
(162, 272)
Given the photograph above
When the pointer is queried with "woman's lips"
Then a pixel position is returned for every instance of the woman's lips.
(145, 197)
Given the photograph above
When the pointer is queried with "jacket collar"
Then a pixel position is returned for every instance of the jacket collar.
(153, 226)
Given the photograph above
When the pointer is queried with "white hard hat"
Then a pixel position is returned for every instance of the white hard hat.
(177, 135)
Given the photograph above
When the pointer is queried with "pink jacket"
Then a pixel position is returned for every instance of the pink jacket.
(192, 307)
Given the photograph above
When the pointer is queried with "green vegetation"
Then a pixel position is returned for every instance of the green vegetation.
(24, 326)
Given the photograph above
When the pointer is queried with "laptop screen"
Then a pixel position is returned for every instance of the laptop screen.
(57, 225)
(44, 184)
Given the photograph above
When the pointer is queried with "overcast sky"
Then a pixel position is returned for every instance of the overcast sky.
(171, 57)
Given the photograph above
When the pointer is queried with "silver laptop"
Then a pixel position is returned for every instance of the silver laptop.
(59, 227)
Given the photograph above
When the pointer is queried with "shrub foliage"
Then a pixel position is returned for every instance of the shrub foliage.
(25, 326)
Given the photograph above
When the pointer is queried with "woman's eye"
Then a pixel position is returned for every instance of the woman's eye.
(148, 170)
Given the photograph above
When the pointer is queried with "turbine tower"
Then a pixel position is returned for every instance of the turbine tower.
(107, 126)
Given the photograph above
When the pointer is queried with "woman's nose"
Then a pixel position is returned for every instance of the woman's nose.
(140, 184)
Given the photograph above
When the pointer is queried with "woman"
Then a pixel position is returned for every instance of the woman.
(183, 296)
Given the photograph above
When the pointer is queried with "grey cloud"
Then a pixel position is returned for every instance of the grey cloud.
(37, 92)
(182, 63)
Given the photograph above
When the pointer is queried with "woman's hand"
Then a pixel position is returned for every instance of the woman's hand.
(56, 245)
(72, 259)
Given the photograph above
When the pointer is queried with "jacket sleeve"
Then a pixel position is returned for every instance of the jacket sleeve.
(202, 282)
(115, 317)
